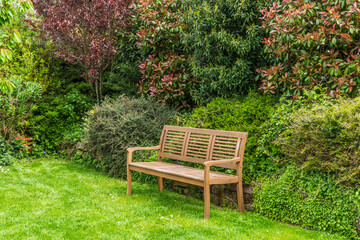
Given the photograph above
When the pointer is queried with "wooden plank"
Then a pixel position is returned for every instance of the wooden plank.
(207, 131)
(186, 143)
(197, 152)
(171, 147)
(225, 147)
(173, 152)
(168, 176)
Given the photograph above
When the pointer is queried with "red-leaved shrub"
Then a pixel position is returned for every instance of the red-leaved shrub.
(312, 43)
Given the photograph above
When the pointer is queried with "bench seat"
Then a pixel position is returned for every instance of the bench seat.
(174, 171)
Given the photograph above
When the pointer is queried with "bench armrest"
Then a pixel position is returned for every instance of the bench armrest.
(212, 163)
(133, 149)
(208, 164)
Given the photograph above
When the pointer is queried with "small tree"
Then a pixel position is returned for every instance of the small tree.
(85, 32)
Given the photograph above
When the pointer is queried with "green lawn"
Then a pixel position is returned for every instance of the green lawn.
(52, 199)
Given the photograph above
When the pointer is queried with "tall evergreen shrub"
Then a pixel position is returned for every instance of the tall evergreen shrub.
(223, 41)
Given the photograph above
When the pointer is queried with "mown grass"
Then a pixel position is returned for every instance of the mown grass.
(53, 199)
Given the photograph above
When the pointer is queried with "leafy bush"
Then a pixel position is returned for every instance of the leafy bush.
(223, 41)
(125, 73)
(60, 114)
(18, 107)
(121, 123)
(268, 152)
(243, 115)
(326, 137)
(33, 60)
(312, 43)
(165, 74)
(311, 200)
(6, 159)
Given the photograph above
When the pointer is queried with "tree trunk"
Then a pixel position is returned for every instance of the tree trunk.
(101, 77)
(97, 91)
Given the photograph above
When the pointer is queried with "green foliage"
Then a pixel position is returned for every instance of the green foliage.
(223, 41)
(60, 114)
(87, 160)
(33, 60)
(10, 10)
(121, 123)
(268, 152)
(312, 43)
(18, 107)
(124, 73)
(311, 200)
(326, 137)
(165, 69)
(6, 159)
(243, 115)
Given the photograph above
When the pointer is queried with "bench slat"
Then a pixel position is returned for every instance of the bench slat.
(182, 171)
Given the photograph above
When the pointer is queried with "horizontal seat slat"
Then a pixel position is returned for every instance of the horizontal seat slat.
(170, 169)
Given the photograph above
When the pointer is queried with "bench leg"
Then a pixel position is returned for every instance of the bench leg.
(129, 181)
(206, 201)
(240, 197)
(160, 183)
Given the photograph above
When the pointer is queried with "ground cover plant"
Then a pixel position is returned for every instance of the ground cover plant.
(310, 199)
(49, 198)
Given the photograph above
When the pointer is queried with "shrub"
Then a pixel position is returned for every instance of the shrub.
(244, 115)
(311, 200)
(326, 137)
(268, 151)
(164, 70)
(33, 60)
(6, 159)
(18, 107)
(312, 43)
(121, 123)
(223, 41)
(60, 114)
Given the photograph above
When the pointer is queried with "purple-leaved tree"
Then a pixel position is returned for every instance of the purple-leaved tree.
(84, 32)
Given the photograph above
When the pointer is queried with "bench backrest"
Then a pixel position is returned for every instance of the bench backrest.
(200, 145)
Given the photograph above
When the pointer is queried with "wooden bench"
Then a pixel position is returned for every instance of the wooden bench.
(208, 147)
